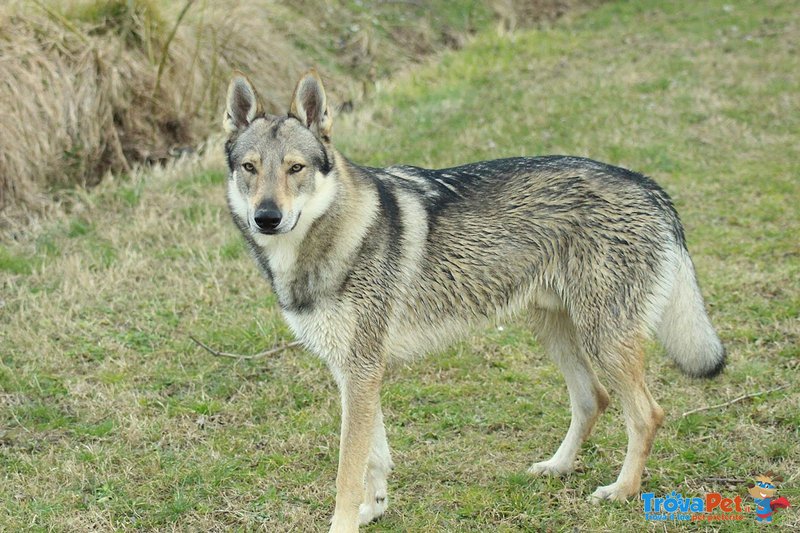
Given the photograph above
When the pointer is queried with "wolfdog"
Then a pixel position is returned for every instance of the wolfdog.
(371, 265)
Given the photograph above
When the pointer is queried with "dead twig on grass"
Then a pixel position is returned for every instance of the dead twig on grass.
(271, 351)
(735, 400)
(727, 480)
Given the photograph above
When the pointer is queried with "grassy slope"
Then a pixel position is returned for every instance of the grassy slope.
(111, 417)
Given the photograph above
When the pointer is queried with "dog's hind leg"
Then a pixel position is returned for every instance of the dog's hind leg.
(378, 467)
(643, 416)
(588, 398)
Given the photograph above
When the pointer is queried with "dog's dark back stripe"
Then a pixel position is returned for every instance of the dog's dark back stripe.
(395, 224)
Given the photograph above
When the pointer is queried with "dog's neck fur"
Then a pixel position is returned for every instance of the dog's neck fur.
(310, 264)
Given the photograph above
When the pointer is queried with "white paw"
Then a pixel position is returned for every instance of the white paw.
(367, 512)
(610, 492)
(551, 468)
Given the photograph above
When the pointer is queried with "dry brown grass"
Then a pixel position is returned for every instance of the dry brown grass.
(82, 94)
(518, 14)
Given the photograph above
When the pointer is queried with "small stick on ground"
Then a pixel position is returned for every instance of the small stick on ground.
(730, 480)
(735, 400)
(271, 351)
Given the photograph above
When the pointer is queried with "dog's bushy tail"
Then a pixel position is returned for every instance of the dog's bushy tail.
(685, 329)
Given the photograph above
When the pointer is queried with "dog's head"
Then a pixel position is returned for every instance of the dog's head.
(279, 166)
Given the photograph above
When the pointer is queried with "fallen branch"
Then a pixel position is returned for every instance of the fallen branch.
(271, 351)
(728, 480)
(735, 400)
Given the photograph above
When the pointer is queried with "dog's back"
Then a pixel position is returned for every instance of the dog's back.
(600, 242)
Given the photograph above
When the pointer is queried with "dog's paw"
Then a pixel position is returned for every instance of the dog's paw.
(551, 468)
(367, 512)
(614, 492)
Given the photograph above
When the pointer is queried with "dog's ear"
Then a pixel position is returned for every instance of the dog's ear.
(310, 106)
(242, 105)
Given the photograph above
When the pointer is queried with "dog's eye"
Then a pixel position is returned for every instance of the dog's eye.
(297, 167)
(249, 167)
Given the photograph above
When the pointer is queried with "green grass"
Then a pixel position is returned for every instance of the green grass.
(112, 418)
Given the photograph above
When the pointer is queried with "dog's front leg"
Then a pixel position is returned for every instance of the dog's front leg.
(360, 392)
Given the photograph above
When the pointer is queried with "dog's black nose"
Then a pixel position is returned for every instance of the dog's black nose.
(267, 217)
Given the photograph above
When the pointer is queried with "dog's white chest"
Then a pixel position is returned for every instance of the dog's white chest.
(327, 331)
